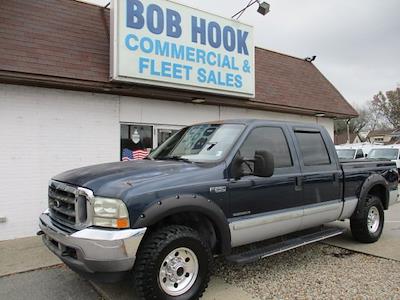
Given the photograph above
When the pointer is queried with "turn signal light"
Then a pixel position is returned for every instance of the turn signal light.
(122, 223)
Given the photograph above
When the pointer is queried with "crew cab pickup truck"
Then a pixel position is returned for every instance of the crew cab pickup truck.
(208, 189)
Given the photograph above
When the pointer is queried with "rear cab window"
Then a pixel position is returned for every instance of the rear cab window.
(312, 148)
(315, 149)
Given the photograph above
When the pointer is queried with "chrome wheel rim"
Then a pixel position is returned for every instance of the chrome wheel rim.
(178, 271)
(373, 219)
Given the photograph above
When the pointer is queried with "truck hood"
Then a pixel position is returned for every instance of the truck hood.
(113, 179)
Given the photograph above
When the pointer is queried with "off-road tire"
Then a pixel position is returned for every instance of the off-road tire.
(359, 222)
(154, 250)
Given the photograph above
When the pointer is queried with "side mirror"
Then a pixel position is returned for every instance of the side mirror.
(263, 164)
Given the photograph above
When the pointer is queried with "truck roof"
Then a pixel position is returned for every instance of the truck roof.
(261, 121)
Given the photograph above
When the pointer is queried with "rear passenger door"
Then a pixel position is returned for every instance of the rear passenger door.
(321, 176)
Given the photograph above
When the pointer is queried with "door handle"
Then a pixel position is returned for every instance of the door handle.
(299, 184)
(335, 177)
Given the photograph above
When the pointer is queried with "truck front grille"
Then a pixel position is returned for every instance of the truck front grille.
(62, 205)
(68, 205)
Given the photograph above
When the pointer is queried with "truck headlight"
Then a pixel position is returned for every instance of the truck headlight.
(109, 212)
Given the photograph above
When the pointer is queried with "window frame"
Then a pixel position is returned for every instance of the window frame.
(134, 124)
(333, 166)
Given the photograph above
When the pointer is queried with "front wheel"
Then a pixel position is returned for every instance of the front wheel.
(173, 263)
(367, 226)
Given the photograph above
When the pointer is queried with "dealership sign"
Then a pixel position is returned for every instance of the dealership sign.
(163, 43)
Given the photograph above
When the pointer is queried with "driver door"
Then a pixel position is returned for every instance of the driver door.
(260, 207)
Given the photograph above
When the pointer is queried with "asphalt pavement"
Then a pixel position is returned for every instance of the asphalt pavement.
(29, 271)
(47, 284)
(388, 245)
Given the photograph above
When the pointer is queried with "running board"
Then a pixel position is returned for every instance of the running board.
(279, 247)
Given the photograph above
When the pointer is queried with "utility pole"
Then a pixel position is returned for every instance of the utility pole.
(348, 131)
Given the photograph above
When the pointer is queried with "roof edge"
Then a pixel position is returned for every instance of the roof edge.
(17, 78)
(280, 53)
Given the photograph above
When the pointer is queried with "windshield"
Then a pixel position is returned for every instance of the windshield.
(199, 143)
(391, 154)
(345, 153)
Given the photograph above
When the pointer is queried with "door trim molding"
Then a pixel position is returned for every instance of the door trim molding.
(263, 226)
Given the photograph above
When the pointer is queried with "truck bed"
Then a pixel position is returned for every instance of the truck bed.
(356, 171)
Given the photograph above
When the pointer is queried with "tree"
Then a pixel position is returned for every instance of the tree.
(356, 124)
(388, 105)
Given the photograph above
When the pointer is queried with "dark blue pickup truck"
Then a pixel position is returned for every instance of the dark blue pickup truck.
(208, 189)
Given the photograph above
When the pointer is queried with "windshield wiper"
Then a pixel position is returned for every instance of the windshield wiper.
(177, 158)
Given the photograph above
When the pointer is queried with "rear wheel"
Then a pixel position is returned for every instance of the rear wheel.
(173, 263)
(367, 226)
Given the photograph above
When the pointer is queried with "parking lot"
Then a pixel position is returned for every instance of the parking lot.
(317, 271)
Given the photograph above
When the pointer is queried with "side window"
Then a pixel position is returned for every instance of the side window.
(136, 141)
(359, 154)
(271, 139)
(312, 148)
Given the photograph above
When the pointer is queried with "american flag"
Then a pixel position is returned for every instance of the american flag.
(128, 154)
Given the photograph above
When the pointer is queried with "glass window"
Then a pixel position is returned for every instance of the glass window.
(345, 153)
(384, 153)
(136, 141)
(164, 134)
(271, 139)
(199, 143)
(312, 148)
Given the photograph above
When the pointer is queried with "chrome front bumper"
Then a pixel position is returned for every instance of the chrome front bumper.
(91, 251)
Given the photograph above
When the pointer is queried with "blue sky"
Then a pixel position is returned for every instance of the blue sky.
(357, 42)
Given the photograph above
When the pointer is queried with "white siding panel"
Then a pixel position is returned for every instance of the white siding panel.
(165, 112)
(44, 132)
(328, 124)
(174, 113)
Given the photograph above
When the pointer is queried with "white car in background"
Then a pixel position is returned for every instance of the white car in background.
(390, 152)
(353, 151)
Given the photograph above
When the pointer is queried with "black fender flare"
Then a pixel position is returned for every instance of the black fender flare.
(372, 181)
(161, 209)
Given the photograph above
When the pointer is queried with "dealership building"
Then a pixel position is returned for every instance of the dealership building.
(67, 100)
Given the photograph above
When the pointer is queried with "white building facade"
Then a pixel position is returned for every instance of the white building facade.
(46, 131)
(59, 110)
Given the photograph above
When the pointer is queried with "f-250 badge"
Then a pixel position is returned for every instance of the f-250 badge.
(218, 189)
